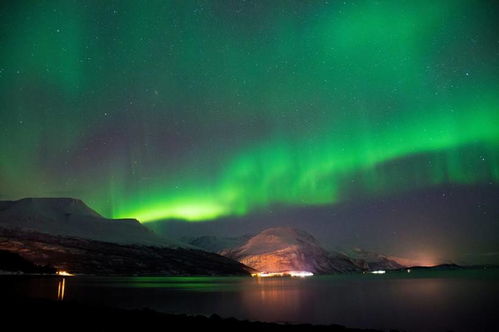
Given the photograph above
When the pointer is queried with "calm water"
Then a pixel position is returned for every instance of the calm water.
(417, 301)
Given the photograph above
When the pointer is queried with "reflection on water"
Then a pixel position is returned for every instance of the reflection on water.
(267, 299)
(416, 301)
(61, 288)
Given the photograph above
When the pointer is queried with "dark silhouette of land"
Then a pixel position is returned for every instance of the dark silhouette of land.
(13, 262)
(45, 315)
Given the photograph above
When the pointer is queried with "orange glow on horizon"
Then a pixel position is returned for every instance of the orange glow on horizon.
(420, 259)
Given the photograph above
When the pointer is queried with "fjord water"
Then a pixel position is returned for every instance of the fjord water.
(462, 300)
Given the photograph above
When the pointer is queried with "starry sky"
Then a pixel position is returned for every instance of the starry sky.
(208, 111)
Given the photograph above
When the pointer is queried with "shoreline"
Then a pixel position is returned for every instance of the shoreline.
(44, 314)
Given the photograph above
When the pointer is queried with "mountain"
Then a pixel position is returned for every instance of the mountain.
(66, 234)
(85, 256)
(368, 260)
(72, 217)
(282, 249)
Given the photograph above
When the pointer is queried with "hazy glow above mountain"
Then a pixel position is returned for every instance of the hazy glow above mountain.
(196, 111)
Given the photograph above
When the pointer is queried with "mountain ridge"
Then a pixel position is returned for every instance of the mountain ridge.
(72, 217)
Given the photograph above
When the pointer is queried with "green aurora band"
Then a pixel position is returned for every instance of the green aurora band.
(199, 110)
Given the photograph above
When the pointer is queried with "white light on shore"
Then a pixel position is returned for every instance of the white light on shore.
(300, 274)
(378, 272)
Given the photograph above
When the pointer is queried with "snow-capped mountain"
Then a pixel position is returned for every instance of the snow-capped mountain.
(282, 249)
(72, 217)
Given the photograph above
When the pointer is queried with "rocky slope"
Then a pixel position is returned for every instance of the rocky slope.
(85, 256)
(282, 249)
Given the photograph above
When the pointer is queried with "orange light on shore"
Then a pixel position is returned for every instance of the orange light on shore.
(300, 274)
(64, 273)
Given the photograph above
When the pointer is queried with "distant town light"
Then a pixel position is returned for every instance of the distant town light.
(301, 274)
(378, 272)
(64, 273)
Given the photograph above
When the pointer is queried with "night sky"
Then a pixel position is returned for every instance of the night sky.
(223, 112)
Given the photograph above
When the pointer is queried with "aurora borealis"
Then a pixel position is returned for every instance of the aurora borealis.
(196, 110)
